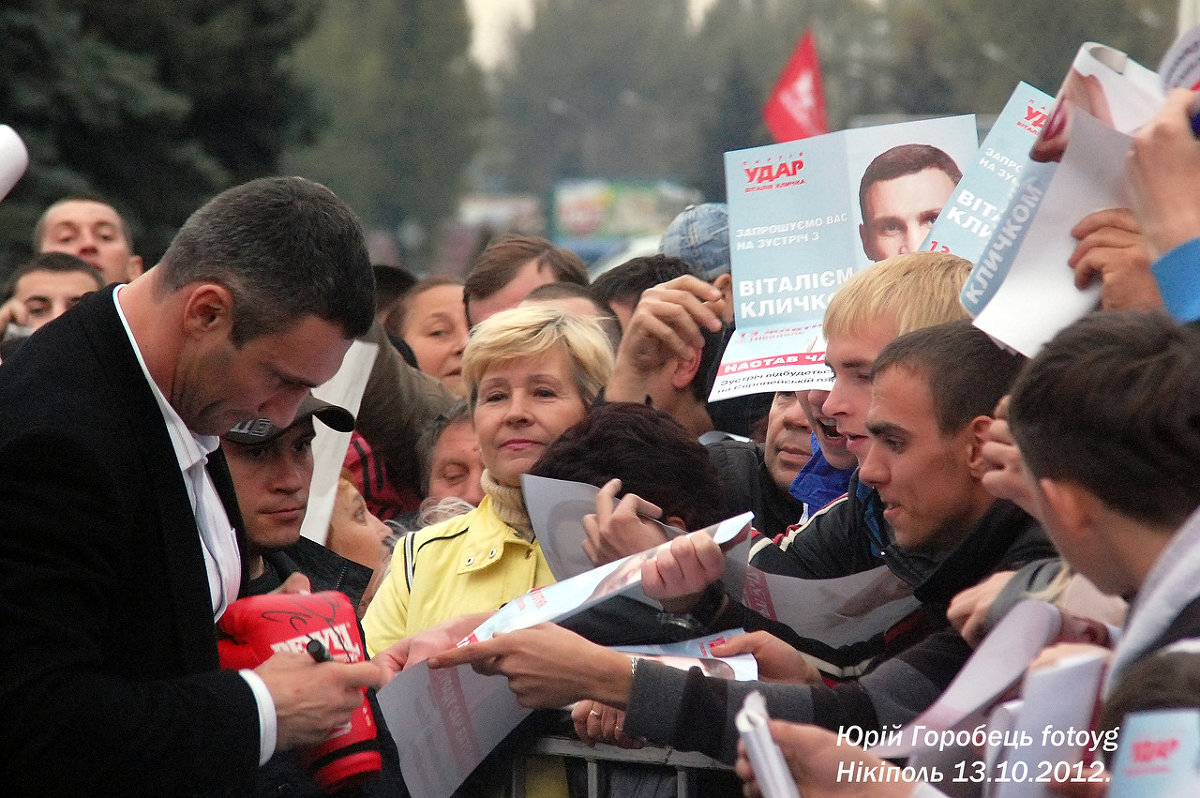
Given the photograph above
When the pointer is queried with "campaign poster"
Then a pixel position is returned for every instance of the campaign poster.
(802, 220)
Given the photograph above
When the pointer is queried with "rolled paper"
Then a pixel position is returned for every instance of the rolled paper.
(13, 159)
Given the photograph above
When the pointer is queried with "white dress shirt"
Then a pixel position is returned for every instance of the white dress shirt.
(218, 539)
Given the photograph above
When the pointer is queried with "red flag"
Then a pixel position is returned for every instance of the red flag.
(796, 107)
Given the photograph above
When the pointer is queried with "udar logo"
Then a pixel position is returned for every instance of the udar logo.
(774, 173)
(1148, 751)
(1035, 117)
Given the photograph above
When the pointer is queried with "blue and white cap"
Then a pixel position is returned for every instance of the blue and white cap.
(700, 236)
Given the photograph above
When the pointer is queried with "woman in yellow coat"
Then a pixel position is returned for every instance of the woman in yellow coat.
(531, 372)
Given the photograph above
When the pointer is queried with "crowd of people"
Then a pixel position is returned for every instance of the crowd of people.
(156, 452)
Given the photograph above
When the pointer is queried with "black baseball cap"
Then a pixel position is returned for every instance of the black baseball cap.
(261, 430)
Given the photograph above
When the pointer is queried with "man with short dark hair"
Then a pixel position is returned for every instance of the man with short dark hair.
(918, 492)
(119, 530)
(900, 195)
(93, 231)
(271, 470)
(1105, 417)
(43, 288)
(512, 266)
(621, 286)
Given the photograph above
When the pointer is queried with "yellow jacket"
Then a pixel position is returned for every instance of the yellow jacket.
(472, 563)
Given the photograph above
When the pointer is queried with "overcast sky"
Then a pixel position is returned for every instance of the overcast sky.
(493, 18)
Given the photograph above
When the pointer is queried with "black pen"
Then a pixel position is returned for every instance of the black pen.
(316, 649)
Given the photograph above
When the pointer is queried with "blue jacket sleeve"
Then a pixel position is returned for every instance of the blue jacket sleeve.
(1178, 276)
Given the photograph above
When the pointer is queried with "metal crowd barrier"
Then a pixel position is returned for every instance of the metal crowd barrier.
(685, 763)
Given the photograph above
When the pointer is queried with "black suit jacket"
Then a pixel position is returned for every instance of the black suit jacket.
(109, 682)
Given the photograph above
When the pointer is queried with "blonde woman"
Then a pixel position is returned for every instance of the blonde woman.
(531, 373)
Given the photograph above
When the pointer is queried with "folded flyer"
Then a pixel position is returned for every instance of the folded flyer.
(836, 612)
(569, 596)
(697, 653)
(556, 510)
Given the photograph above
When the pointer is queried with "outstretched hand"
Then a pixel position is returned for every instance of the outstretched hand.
(421, 646)
(617, 531)
(547, 666)
(777, 660)
(682, 570)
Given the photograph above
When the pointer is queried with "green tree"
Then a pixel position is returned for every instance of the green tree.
(732, 122)
(561, 109)
(697, 90)
(600, 89)
(959, 56)
(152, 106)
(747, 44)
(405, 108)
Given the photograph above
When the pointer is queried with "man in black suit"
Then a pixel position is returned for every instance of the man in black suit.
(119, 530)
